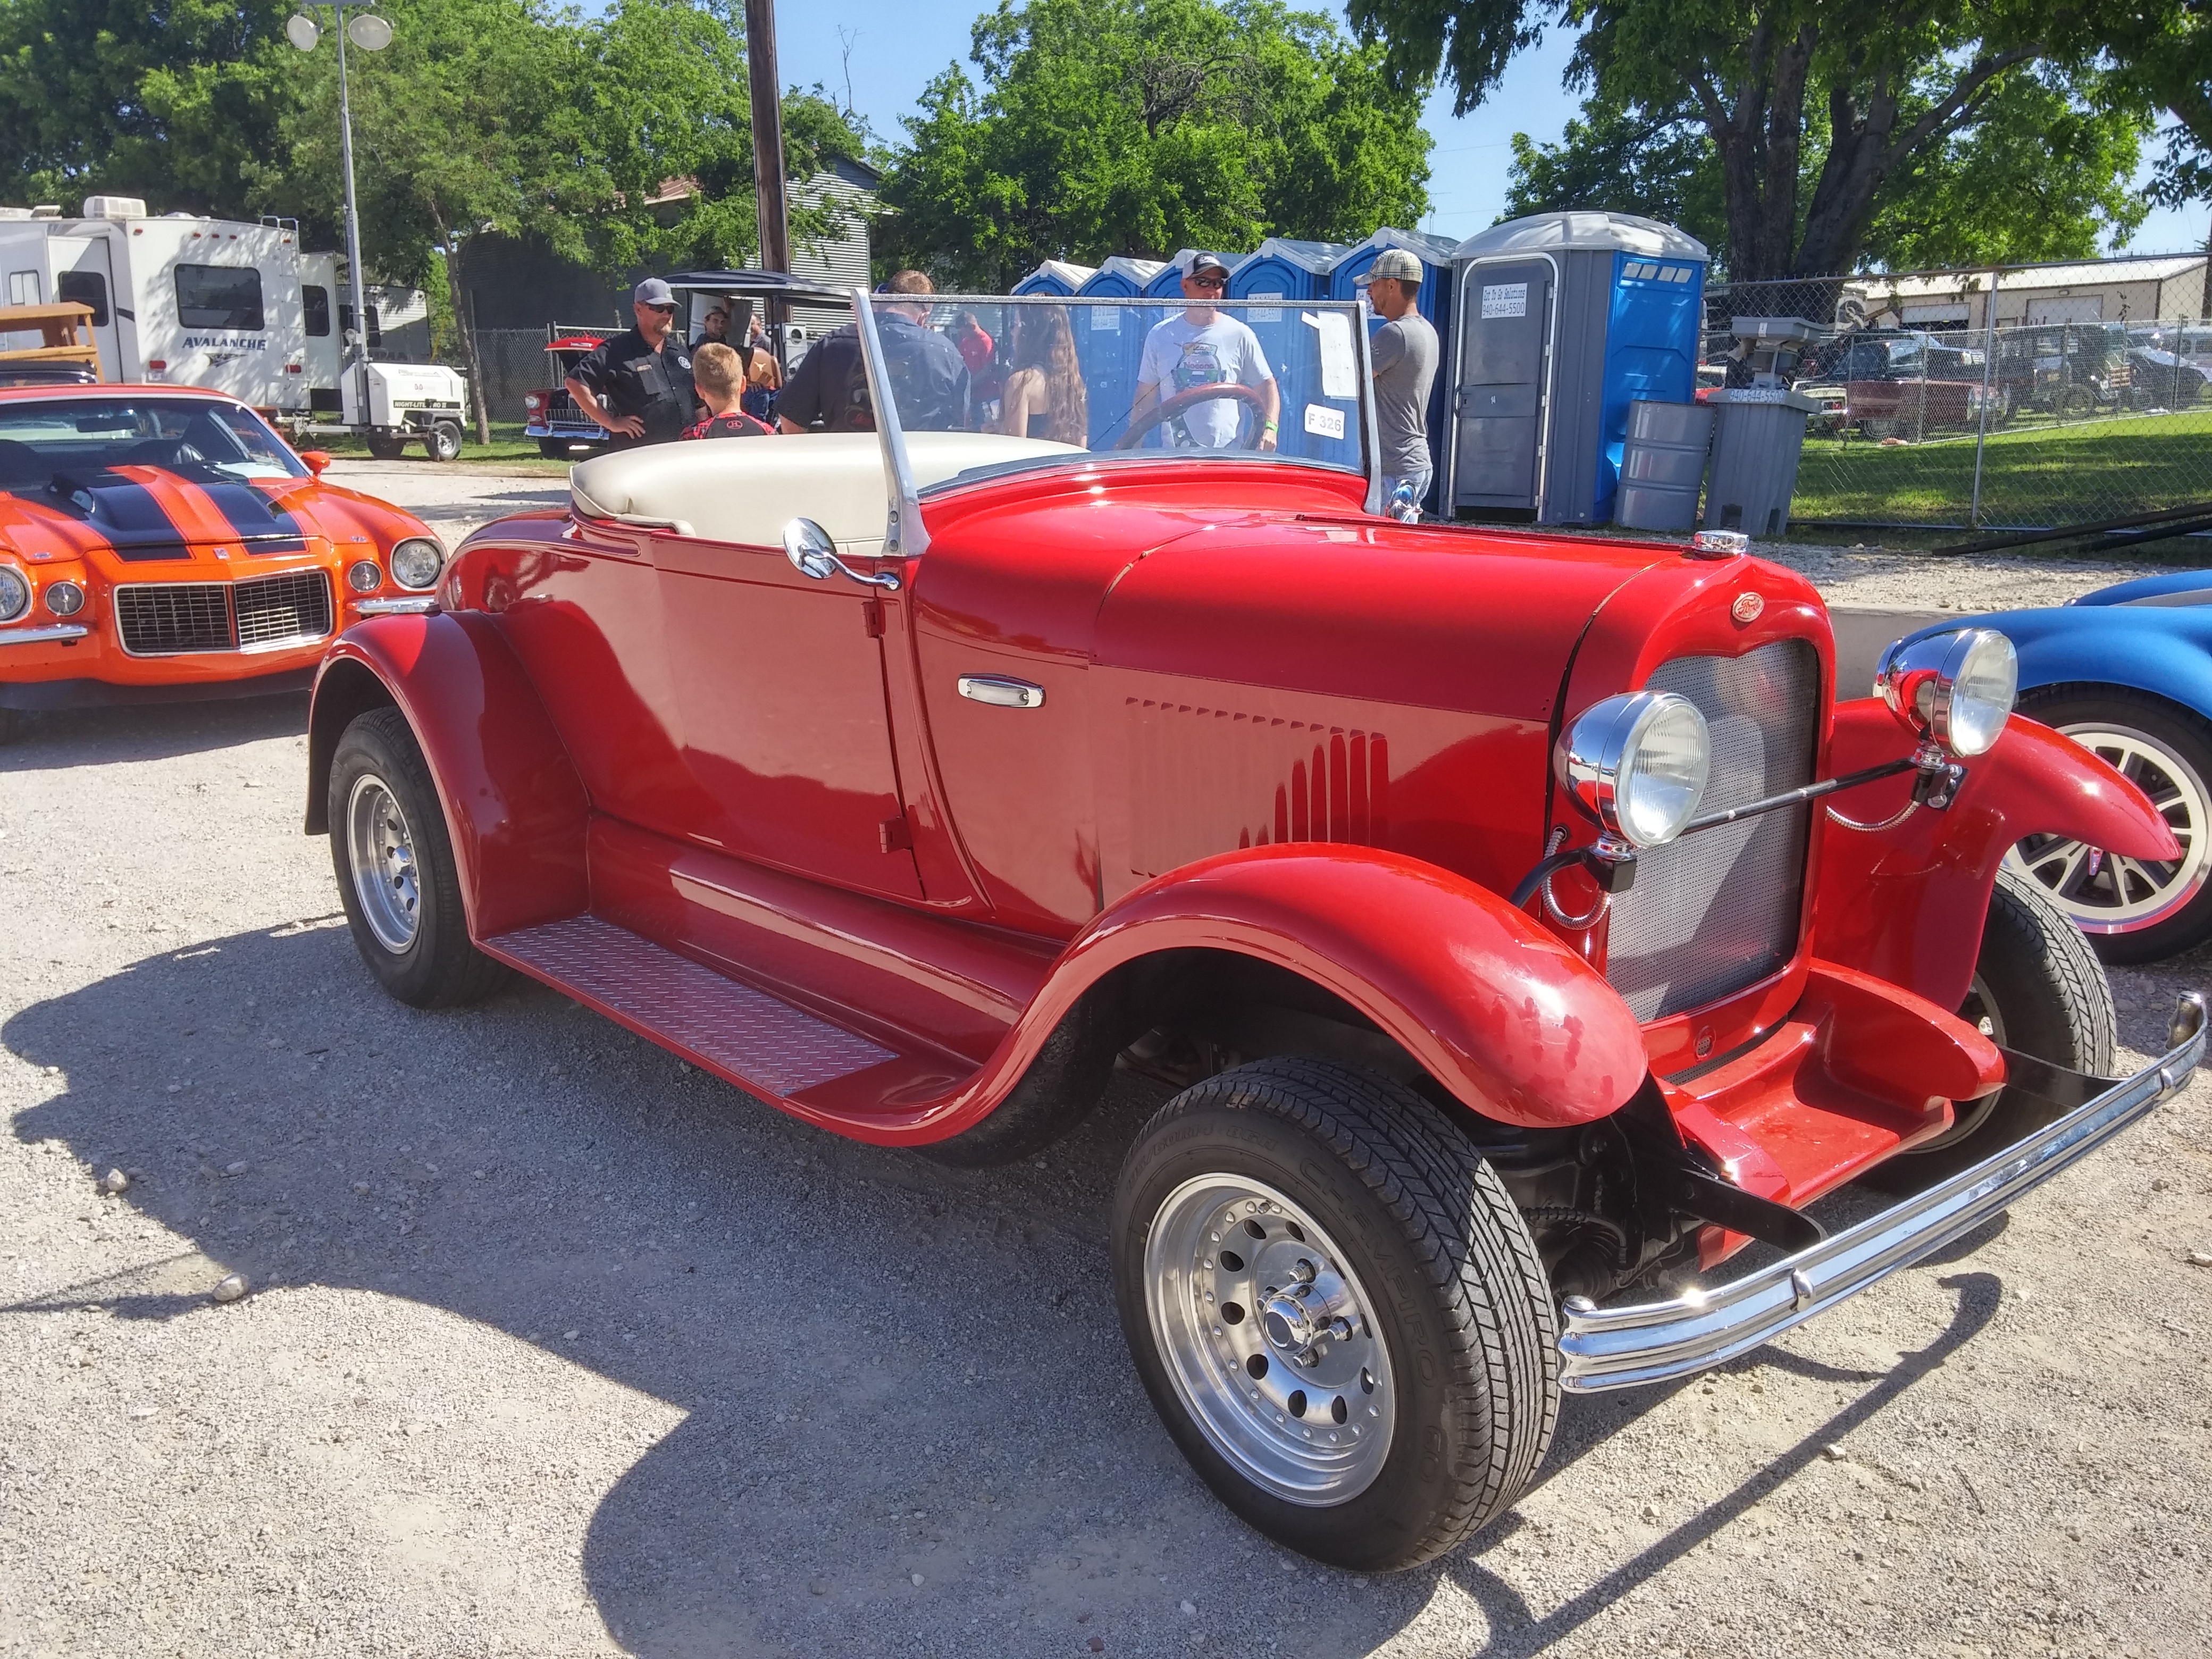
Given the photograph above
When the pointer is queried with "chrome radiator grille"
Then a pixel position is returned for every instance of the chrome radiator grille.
(1717, 911)
(295, 605)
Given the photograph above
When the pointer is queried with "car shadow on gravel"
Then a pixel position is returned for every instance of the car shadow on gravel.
(909, 1423)
(56, 739)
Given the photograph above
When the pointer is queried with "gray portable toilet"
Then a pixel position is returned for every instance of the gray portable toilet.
(1561, 321)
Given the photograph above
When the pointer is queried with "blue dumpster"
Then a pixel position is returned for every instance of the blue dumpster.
(1109, 340)
(1562, 321)
(1435, 253)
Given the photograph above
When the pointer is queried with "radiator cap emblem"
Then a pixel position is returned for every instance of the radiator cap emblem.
(1747, 607)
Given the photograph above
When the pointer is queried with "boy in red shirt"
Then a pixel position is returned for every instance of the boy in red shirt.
(719, 375)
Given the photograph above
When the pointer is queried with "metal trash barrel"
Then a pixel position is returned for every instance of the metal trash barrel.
(1662, 464)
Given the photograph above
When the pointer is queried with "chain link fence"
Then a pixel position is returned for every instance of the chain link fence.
(2031, 398)
(513, 361)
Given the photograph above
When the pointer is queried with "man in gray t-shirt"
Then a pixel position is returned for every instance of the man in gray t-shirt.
(1202, 346)
(1404, 352)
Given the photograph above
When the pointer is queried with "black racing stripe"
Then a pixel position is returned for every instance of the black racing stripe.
(263, 526)
(129, 515)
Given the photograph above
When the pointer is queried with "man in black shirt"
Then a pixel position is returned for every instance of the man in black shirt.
(638, 384)
(828, 390)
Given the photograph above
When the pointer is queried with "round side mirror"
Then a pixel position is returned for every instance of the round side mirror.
(809, 550)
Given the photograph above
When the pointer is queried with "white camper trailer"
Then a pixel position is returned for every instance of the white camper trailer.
(185, 300)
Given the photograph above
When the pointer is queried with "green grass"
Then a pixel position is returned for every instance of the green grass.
(2048, 475)
(507, 447)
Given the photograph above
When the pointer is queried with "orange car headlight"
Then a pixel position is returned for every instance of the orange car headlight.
(364, 576)
(64, 599)
(15, 593)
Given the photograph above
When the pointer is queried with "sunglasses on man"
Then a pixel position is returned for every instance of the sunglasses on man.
(665, 311)
(1209, 281)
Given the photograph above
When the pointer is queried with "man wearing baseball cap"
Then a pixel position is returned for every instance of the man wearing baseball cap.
(1404, 353)
(1204, 347)
(638, 384)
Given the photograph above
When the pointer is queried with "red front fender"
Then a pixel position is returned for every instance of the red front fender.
(1906, 903)
(1499, 1011)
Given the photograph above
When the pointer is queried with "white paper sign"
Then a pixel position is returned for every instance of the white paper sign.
(1105, 320)
(1506, 300)
(1340, 373)
(1267, 314)
(1323, 421)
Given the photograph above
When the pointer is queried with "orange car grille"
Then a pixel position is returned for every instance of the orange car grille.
(164, 619)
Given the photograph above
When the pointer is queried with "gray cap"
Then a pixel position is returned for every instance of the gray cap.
(653, 292)
(1392, 264)
(1192, 260)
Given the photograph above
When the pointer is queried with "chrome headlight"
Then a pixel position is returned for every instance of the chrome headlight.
(1957, 687)
(416, 563)
(15, 593)
(364, 576)
(1636, 763)
(64, 599)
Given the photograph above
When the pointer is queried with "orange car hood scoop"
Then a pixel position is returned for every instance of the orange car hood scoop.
(148, 513)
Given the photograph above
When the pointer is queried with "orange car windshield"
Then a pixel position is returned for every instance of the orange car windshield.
(193, 437)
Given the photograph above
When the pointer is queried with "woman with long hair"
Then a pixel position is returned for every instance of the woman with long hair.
(1044, 396)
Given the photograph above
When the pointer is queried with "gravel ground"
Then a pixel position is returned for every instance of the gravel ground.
(1875, 577)
(557, 1347)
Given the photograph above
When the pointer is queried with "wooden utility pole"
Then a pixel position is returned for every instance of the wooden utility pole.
(767, 134)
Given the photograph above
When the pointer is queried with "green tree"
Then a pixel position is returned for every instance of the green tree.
(1812, 109)
(179, 102)
(2045, 172)
(510, 116)
(1141, 126)
(2163, 49)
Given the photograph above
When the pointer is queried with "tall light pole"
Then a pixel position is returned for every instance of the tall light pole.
(767, 156)
(371, 34)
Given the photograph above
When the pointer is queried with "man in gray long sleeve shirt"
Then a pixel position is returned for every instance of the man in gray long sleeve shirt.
(1404, 351)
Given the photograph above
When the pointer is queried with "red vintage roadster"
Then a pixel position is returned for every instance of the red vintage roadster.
(1523, 925)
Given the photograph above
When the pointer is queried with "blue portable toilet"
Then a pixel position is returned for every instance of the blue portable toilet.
(1562, 321)
(1433, 302)
(1290, 271)
(1054, 277)
(1109, 339)
(1166, 282)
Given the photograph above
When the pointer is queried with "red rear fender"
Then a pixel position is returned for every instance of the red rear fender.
(1515, 1024)
(1905, 904)
(514, 807)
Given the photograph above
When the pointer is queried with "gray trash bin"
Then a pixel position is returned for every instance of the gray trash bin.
(1663, 465)
(1758, 435)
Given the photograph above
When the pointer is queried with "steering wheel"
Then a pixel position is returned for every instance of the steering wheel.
(1189, 397)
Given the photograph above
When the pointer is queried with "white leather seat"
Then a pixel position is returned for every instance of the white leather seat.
(746, 489)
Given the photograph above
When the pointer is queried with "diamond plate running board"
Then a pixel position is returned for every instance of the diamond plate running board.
(737, 1031)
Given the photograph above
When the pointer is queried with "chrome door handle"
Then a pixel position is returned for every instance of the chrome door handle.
(1001, 692)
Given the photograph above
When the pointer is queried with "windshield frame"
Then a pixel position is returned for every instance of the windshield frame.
(906, 534)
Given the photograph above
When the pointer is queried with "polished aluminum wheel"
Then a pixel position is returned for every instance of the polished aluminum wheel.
(2105, 892)
(380, 851)
(1270, 1338)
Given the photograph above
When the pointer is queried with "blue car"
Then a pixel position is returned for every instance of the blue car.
(2126, 672)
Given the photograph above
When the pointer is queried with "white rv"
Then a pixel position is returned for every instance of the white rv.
(218, 303)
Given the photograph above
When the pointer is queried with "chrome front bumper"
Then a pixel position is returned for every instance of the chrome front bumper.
(1608, 1348)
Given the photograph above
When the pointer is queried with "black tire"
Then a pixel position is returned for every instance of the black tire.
(557, 449)
(2173, 764)
(385, 447)
(1467, 1328)
(2037, 989)
(443, 441)
(438, 967)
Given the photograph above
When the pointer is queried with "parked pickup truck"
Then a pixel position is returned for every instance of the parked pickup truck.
(1904, 384)
(1514, 927)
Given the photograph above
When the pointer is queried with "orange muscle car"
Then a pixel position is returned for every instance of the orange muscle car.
(158, 542)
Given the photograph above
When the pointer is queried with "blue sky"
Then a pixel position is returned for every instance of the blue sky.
(898, 45)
